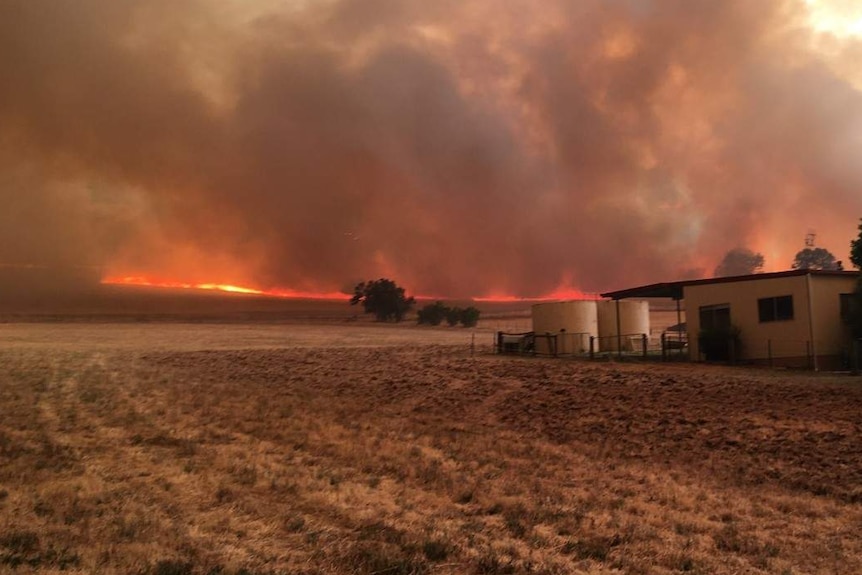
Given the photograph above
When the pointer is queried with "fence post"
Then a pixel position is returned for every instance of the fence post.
(663, 347)
(769, 352)
(645, 342)
(498, 346)
(592, 347)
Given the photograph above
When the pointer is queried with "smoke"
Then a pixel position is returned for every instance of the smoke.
(460, 148)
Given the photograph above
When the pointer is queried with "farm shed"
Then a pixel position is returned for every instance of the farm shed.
(793, 318)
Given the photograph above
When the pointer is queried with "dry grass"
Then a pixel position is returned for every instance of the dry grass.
(174, 449)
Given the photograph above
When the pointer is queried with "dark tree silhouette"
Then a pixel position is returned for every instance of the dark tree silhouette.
(856, 249)
(384, 298)
(435, 313)
(854, 317)
(432, 314)
(453, 315)
(739, 262)
(469, 316)
(815, 259)
(855, 311)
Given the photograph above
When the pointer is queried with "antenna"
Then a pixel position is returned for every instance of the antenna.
(809, 238)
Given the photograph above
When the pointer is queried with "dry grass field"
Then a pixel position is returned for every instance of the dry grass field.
(252, 448)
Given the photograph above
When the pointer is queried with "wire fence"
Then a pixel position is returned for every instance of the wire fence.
(776, 353)
(784, 353)
(792, 353)
(564, 344)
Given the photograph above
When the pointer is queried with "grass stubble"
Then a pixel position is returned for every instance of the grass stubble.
(411, 459)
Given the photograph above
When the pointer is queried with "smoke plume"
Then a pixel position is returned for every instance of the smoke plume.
(460, 148)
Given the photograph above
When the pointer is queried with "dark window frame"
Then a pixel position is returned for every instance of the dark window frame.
(775, 308)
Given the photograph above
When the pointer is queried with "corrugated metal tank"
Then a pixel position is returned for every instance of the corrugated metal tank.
(572, 321)
(634, 321)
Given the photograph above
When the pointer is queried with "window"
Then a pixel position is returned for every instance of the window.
(775, 308)
(714, 317)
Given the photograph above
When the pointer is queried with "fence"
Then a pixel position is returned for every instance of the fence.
(673, 346)
(543, 344)
(789, 353)
(776, 353)
(564, 344)
(516, 343)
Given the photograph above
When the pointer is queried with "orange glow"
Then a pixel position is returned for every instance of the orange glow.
(144, 281)
(558, 294)
(226, 288)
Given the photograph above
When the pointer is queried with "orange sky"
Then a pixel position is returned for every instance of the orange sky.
(461, 148)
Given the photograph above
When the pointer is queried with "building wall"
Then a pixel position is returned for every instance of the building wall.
(831, 335)
(787, 341)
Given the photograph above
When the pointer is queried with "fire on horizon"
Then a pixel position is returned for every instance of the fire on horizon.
(468, 149)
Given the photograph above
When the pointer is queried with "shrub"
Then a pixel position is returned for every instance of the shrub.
(469, 316)
(453, 316)
(719, 344)
(433, 313)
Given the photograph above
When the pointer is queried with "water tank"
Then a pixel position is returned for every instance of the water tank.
(634, 322)
(573, 322)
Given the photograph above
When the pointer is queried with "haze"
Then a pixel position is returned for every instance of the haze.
(461, 148)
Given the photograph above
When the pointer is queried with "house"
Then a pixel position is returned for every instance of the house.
(793, 318)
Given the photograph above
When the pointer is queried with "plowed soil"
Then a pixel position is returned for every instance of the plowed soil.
(367, 449)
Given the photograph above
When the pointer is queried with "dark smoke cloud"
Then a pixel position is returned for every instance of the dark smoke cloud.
(461, 148)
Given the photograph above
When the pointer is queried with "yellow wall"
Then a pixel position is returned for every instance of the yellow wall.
(788, 338)
(830, 334)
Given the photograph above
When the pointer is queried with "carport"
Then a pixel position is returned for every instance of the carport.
(666, 290)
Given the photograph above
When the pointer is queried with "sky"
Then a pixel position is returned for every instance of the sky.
(469, 148)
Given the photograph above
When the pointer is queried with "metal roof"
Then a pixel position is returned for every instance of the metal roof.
(673, 290)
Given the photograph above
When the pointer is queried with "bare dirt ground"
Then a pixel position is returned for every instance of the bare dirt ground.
(173, 448)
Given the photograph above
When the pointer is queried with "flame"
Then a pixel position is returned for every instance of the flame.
(142, 281)
(493, 297)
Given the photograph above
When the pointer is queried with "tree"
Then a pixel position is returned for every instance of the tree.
(856, 298)
(384, 298)
(815, 259)
(433, 313)
(856, 249)
(855, 312)
(453, 315)
(739, 262)
(469, 316)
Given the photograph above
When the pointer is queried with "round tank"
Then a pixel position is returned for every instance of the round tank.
(572, 322)
(634, 322)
